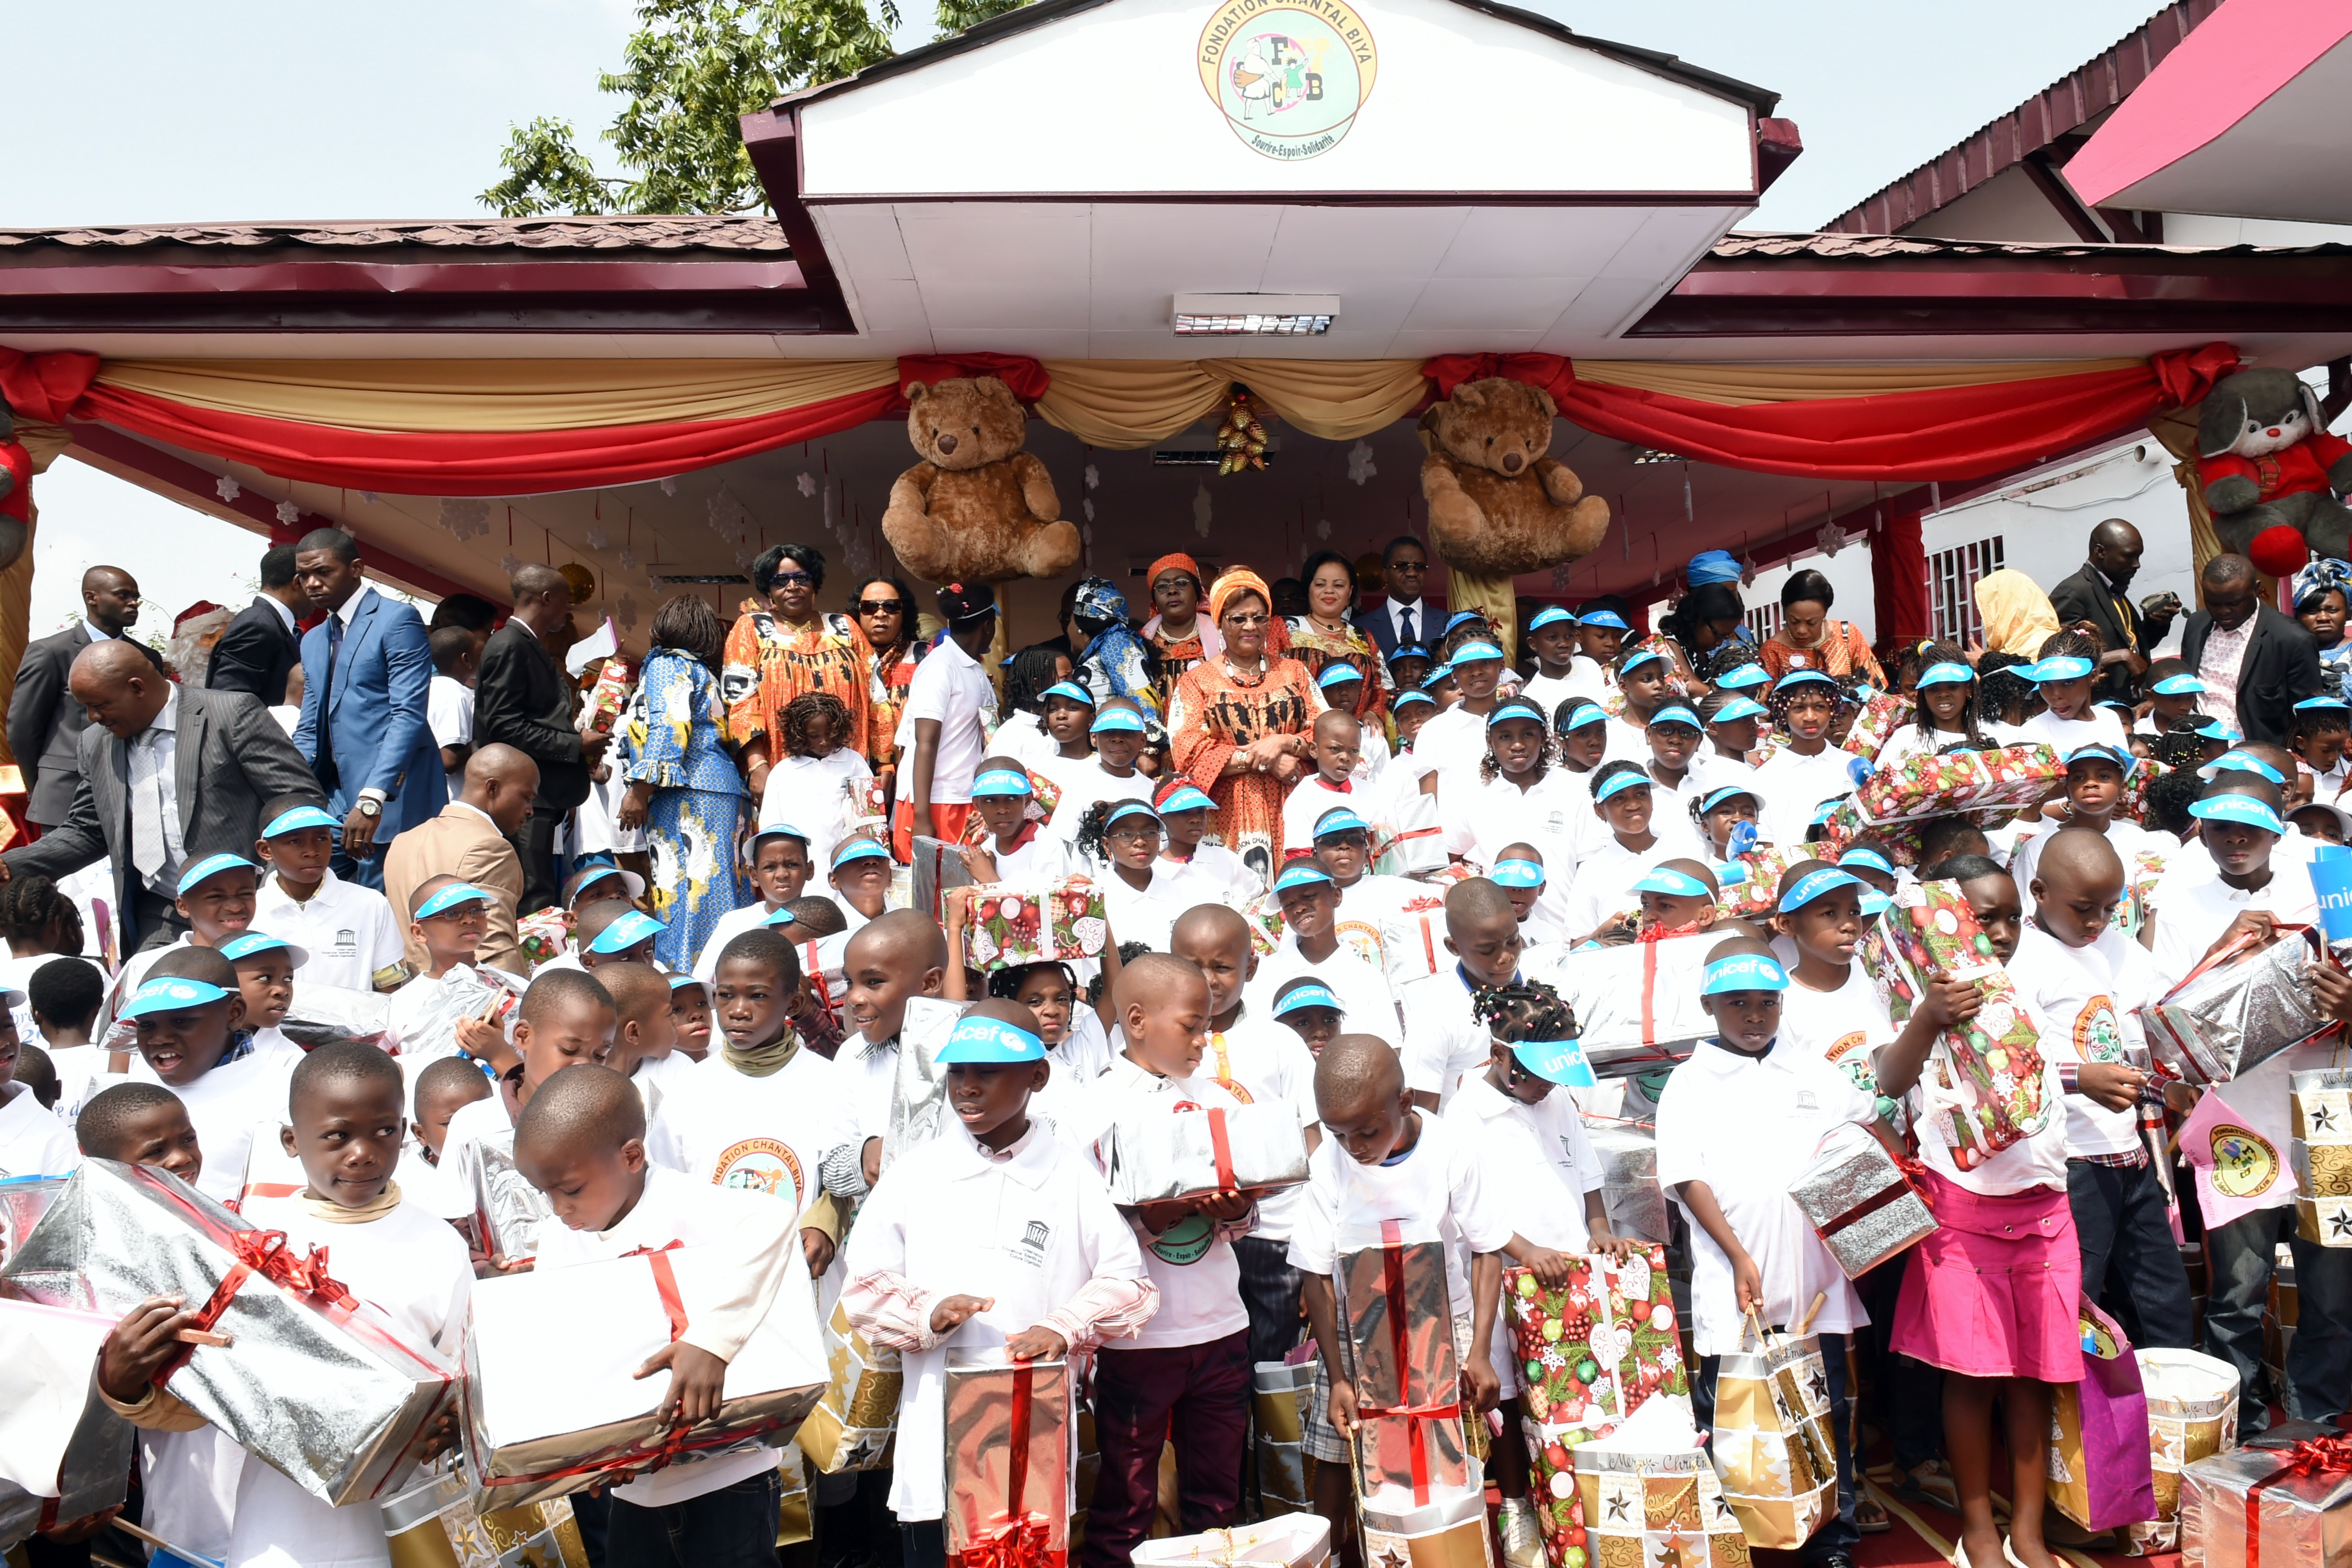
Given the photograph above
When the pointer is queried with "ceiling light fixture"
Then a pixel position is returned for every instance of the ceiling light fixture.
(1645, 457)
(1254, 315)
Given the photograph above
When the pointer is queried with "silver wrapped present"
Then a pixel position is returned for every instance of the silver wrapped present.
(2285, 1500)
(937, 866)
(2235, 1011)
(64, 1456)
(23, 1201)
(1155, 1157)
(314, 1382)
(431, 1030)
(508, 1210)
(1637, 1007)
(1636, 1205)
(918, 1092)
(326, 1014)
(1861, 1203)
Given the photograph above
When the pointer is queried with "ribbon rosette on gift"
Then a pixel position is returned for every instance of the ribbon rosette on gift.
(2284, 1500)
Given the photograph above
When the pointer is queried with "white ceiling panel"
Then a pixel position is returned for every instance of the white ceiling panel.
(891, 304)
(1538, 242)
(1492, 304)
(1358, 242)
(865, 238)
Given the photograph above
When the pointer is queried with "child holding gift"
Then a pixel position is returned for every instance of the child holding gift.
(190, 1018)
(449, 919)
(1807, 769)
(888, 964)
(1600, 899)
(1016, 848)
(581, 1141)
(1386, 1158)
(1947, 693)
(2064, 676)
(1445, 1042)
(994, 1233)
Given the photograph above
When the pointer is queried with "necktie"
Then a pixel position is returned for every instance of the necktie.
(146, 807)
(329, 775)
(1404, 627)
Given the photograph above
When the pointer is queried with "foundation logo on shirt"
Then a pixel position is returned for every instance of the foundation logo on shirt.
(1361, 937)
(761, 1165)
(1287, 75)
(1186, 1241)
(1864, 1072)
(2098, 1034)
(2245, 1163)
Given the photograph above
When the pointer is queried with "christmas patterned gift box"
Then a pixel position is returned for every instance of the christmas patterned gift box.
(2321, 1104)
(1751, 883)
(857, 1414)
(1984, 1080)
(2192, 1414)
(1989, 787)
(1861, 1202)
(1640, 1510)
(1008, 1461)
(2237, 1009)
(609, 695)
(1845, 826)
(1592, 1352)
(1010, 926)
(1876, 723)
(544, 935)
(2133, 802)
(433, 1525)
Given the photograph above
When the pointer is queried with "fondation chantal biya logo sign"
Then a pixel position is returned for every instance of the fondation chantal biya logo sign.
(1288, 75)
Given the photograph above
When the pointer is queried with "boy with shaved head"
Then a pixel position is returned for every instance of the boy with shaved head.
(581, 1141)
(1444, 1041)
(644, 1037)
(1385, 1159)
(889, 962)
(1188, 1372)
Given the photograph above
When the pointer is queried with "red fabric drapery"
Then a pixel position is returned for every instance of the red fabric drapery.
(1898, 579)
(1947, 433)
(1023, 376)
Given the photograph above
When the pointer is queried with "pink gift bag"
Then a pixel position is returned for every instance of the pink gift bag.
(2100, 1475)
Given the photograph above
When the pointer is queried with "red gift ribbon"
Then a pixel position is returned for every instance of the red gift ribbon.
(1221, 1148)
(1015, 1538)
(1416, 1416)
(2329, 1456)
(269, 1254)
(664, 1284)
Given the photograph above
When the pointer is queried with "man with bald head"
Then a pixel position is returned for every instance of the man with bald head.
(472, 837)
(2100, 594)
(2256, 663)
(45, 723)
(168, 774)
(522, 698)
(367, 676)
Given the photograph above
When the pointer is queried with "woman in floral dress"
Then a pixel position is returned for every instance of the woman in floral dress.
(776, 653)
(1323, 635)
(684, 788)
(1238, 723)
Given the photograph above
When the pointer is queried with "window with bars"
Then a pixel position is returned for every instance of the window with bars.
(1952, 588)
(1763, 621)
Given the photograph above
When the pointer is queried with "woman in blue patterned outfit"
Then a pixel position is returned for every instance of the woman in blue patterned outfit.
(683, 783)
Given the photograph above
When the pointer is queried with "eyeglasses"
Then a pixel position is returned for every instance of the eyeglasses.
(1245, 620)
(873, 606)
(784, 579)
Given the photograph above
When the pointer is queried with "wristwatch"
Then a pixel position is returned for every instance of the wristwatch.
(370, 806)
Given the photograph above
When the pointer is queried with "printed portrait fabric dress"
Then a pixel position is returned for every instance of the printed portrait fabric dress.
(695, 825)
(769, 664)
(1215, 711)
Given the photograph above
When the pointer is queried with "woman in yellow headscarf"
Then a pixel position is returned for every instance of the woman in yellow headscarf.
(2016, 614)
(1238, 722)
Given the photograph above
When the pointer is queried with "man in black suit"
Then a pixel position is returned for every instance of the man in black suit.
(169, 774)
(1403, 616)
(45, 723)
(2100, 594)
(2248, 654)
(522, 698)
(262, 647)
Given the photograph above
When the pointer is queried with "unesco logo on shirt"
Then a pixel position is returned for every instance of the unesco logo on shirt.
(347, 942)
(1031, 1247)
(1805, 1100)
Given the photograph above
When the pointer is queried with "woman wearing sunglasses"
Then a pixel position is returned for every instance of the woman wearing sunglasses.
(885, 613)
(777, 653)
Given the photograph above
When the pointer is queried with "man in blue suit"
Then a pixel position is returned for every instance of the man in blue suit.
(366, 672)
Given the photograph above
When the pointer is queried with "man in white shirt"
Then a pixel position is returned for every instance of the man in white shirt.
(950, 706)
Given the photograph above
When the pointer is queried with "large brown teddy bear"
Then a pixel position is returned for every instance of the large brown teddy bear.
(978, 508)
(1498, 506)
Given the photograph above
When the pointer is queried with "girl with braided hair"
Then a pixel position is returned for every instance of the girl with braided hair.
(41, 922)
(1540, 1172)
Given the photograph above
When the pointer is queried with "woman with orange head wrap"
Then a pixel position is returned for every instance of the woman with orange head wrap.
(1177, 630)
(1238, 722)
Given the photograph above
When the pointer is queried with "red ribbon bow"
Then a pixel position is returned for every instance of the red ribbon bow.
(1024, 1543)
(269, 1254)
(2331, 1455)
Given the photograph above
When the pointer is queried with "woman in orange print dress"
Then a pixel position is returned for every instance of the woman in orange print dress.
(1238, 722)
(776, 653)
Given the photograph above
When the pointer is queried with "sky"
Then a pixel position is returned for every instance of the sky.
(367, 109)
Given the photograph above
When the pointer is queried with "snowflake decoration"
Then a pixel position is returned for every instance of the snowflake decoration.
(510, 564)
(1094, 477)
(806, 482)
(1088, 507)
(1086, 536)
(1323, 528)
(743, 560)
(1360, 466)
(1201, 509)
(370, 497)
(729, 517)
(599, 539)
(464, 519)
(288, 513)
(669, 486)
(1552, 1358)
(628, 560)
(1832, 538)
(1669, 1357)
(227, 488)
(624, 610)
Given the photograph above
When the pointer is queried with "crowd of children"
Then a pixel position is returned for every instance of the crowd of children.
(1374, 988)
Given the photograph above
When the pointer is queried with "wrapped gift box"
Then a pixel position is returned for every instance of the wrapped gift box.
(1636, 1006)
(1288, 1541)
(1630, 1194)
(270, 1173)
(433, 1525)
(1012, 926)
(64, 1456)
(1637, 1508)
(1772, 1444)
(1989, 787)
(1861, 1203)
(1413, 941)
(937, 866)
(1595, 1350)
(508, 1210)
(315, 1383)
(2321, 1104)
(1984, 1079)
(918, 1086)
(1449, 1531)
(2285, 1500)
(1008, 1459)
(2235, 1011)
(23, 1201)
(1151, 1158)
(1876, 723)
(855, 1416)
(550, 1402)
(332, 1014)
(1397, 1344)
(609, 695)
(1414, 843)
(1751, 883)
(2133, 802)
(544, 934)
(488, 995)
(2192, 1414)
(1280, 1393)
(795, 1507)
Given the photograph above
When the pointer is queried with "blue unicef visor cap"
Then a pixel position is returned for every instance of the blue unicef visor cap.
(1741, 707)
(1301, 874)
(2243, 809)
(1517, 874)
(1560, 1062)
(1551, 615)
(1726, 792)
(2100, 751)
(454, 895)
(1415, 695)
(1618, 783)
(1186, 797)
(1802, 678)
(212, 866)
(1477, 653)
(1674, 884)
(169, 993)
(625, 933)
(1437, 677)
(1876, 903)
(2058, 666)
(1745, 677)
(1517, 709)
(1128, 808)
(1646, 655)
(1603, 618)
(1338, 675)
(1117, 719)
(990, 1040)
(1340, 819)
(300, 817)
(2177, 686)
(1869, 858)
(2310, 702)
(1744, 971)
(246, 943)
(1586, 712)
(2216, 731)
(1814, 884)
(1306, 994)
(1945, 674)
(997, 782)
(1071, 689)
(1409, 650)
(2240, 762)
(858, 849)
(679, 981)
(1677, 714)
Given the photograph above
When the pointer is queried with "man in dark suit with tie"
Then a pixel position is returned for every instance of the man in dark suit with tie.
(2251, 659)
(262, 647)
(522, 698)
(1404, 616)
(45, 723)
(2100, 594)
(168, 774)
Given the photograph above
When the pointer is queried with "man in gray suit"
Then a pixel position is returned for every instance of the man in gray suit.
(44, 724)
(169, 774)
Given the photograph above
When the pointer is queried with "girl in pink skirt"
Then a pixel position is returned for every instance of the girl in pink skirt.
(1992, 1297)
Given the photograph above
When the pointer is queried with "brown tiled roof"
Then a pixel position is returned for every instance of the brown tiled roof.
(1884, 247)
(734, 232)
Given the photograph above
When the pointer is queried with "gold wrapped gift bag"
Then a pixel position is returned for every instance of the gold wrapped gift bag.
(1279, 1400)
(857, 1414)
(1772, 1445)
(2321, 1104)
(433, 1525)
(1447, 1532)
(797, 1511)
(2192, 1414)
(1656, 1509)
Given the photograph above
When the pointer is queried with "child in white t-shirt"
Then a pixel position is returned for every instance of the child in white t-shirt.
(449, 700)
(2066, 675)
(809, 784)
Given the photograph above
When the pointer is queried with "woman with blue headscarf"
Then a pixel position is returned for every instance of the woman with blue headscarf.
(1709, 625)
(2322, 590)
(1114, 661)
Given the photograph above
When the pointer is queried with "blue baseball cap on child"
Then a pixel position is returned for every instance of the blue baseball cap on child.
(1340, 819)
(1745, 677)
(2243, 809)
(2182, 685)
(1186, 797)
(300, 817)
(1477, 653)
(1676, 714)
(1517, 709)
(169, 994)
(1550, 616)
(990, 1040)
(2057, 667)
(1560, 1062)
(1517, 874)
(1301, 995)
(1117, 719)
(1603, 618)
(1946, 673)
(1673, 883)
(1301, 874)
(1814, 884)
(1001, 782)
(859, 848)
(625, 933)
(1743, 972)
(1741, 707)
(1069, 689)
(1618, 783)
(244, 944)
(1338, 675)
(212, 866)
(2240, 762)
